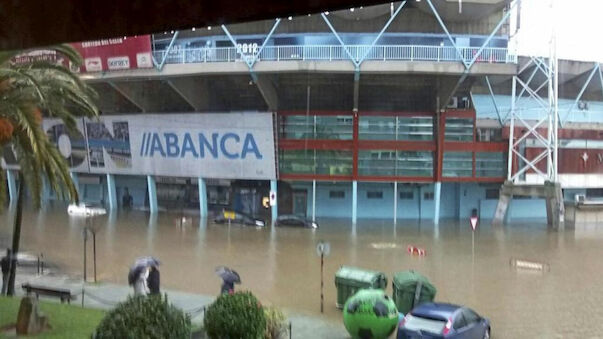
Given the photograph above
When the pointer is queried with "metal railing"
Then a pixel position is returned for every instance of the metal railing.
(337, 52)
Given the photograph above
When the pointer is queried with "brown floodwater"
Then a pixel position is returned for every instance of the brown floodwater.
(281, 265)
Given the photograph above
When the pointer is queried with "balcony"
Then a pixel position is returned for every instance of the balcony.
(338, 53)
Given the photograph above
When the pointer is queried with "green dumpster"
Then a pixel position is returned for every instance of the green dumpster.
(411, 289)
(348, 280)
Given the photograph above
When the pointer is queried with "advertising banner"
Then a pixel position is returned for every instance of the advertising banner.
(115, 54)
(220, 146)
(100, 55)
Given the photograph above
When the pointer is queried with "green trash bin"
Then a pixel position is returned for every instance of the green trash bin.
(411, 289)
(348, 280)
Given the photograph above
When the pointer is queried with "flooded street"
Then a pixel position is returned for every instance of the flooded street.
(281, 265)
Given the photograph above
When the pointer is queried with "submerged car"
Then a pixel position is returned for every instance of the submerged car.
(295, 221)
(440, 320)
(238, 218)
(87, 210)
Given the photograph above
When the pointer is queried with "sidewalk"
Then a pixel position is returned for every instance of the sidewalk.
(107, 295)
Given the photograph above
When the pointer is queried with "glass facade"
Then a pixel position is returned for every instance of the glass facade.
(338, 127)
(459, 129)
(325, 162)
(395, 128)
(490, 164)
(457, 164)
(395, 163)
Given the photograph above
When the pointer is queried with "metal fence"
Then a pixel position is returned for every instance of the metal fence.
(337, 52)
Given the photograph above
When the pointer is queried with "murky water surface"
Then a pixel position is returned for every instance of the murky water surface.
(281, 265)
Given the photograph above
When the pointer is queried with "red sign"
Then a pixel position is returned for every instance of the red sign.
(473, 221)
(116, 54)
(100, 55)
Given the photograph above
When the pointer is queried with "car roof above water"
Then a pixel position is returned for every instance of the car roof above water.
(435, 310)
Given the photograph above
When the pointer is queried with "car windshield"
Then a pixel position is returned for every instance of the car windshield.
(415, 323)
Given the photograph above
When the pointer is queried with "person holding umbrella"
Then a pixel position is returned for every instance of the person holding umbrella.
(229, 278)
(139, 274)
(153, 280)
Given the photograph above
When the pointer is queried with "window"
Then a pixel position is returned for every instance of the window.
(409, 195)
(336, 194)
(492, 193)
(374, 195)
(428, 196)
(459, 322)
(594, 192)
(470, 316)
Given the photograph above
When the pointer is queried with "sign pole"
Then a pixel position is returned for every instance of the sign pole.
(322, 297)
(85, 239)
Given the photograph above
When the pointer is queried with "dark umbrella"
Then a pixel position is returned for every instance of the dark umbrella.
(228, 275)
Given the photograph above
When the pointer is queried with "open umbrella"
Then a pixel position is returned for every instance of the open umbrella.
(146, 261)
(228, 275)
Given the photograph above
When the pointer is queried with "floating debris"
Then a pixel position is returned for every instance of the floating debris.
(529, 265)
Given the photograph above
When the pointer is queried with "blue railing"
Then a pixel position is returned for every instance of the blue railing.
(337, 52)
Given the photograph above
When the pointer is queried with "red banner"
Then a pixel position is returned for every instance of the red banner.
(100, 55)
(115, 54)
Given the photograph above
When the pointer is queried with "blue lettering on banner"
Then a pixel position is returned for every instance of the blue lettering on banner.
(249, 145)
(171, 146)
(213, 147)
(156, 145)
(187, 146)
(223, 145)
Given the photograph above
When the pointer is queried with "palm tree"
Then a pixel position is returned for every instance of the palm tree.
(27, 90)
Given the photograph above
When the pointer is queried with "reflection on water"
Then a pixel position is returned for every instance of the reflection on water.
(281, 266)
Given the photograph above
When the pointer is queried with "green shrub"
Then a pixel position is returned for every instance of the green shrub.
(234, 316)
(145, 317)
(276, 325)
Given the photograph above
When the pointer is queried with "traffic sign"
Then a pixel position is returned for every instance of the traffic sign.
(323, 248)
(473, 221)
(272, 198)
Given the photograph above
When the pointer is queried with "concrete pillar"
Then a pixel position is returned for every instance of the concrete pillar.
(274, 208)
(111, 192)
(12, 185)
(354, 200)
(436, 202)
(202, 198)
(314, 200)
(76, 182)
(152, 187)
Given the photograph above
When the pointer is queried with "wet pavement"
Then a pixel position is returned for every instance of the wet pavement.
(282, 268)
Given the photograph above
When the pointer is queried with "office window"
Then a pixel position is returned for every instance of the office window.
(336, 194)
(492, 193)
(428, 196)
(407, 195)
(374, 195)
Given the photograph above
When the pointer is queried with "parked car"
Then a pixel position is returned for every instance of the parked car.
(440, 320)
(87, 210)
(295, 221)
(238, 218)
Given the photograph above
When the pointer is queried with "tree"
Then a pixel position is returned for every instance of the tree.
(27, 90)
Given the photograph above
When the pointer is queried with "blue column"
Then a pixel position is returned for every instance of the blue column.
(111, 192)
(12, 185)
(202, 198)
(436, 202)
(152, 187)
(354, 200)
(274, 210)
(76, 182)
